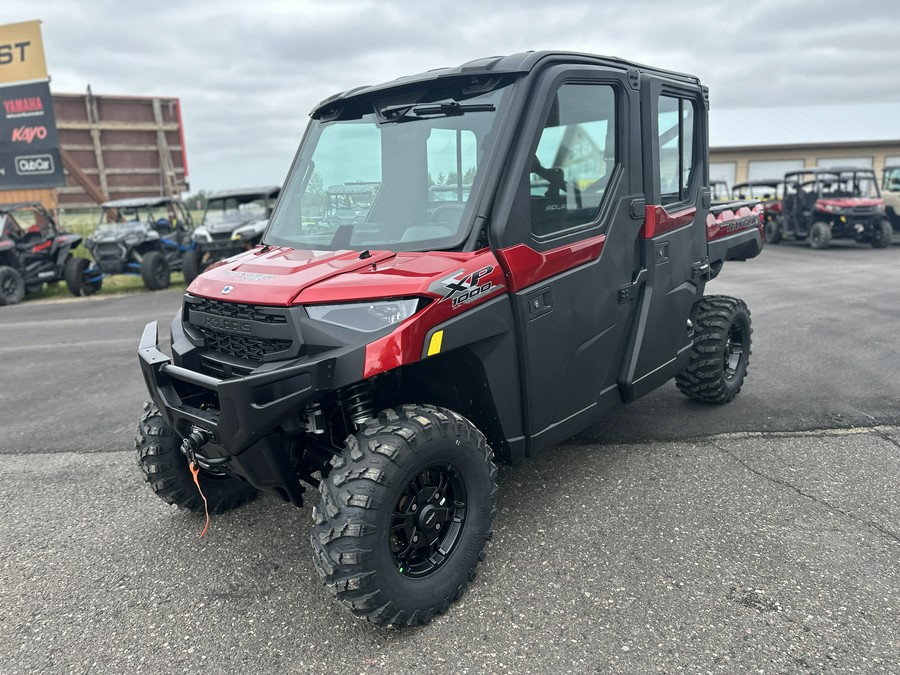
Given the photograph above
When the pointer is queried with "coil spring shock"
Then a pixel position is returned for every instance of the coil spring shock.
(358, 400)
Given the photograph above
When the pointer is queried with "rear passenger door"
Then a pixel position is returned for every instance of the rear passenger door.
(673, 239)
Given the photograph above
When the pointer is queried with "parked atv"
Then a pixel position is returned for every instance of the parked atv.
(824, 204)
(33, 251)
(390, 356)
(891, 193)
(148, 236)
(233, 221)
(770, 193)
(720, 191)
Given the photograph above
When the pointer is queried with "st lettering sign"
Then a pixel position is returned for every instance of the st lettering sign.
(22, 53)
(29, 142)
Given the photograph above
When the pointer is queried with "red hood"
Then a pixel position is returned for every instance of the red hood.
(850, 202)
(285, 276)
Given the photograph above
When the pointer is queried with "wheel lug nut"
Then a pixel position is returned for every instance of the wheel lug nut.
(414, 507)
(415, 538)
(437, 526)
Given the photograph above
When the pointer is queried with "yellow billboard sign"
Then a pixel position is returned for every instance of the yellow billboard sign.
(21, 53)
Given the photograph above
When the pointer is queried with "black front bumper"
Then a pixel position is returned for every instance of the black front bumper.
(249, 409)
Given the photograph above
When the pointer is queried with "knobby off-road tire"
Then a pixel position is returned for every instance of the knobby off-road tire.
(12, 286)
(166, 469)
(882, 234)
(155, 271)
(404, 515)
(190, 265)
(820, 235)
(76, 282)
(721, 352)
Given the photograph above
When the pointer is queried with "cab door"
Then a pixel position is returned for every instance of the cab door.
(569, 246)
(672, 241)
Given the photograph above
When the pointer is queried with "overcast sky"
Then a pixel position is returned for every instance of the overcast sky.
(249, 71)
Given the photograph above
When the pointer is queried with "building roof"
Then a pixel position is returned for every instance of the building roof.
(804, 125)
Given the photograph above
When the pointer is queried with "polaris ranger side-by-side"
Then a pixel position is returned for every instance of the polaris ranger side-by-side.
(390, 359)
(824, 204)
(233, 221)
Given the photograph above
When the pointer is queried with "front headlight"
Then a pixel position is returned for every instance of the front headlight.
(366, 317)
(202, 235)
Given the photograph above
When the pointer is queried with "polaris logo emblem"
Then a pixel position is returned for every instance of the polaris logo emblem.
(227, 289)
(228, 325)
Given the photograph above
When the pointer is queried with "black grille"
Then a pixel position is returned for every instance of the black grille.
(242, 346)
(249, 333)
(109, 251)
(233, 310)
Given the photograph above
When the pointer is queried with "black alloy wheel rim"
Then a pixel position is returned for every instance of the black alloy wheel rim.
(734, 350)
(428, 520)
(9, 286)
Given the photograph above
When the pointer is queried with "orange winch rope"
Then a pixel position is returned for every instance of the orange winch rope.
(195, 472)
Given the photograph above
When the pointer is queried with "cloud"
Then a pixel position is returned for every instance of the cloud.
(248, 74)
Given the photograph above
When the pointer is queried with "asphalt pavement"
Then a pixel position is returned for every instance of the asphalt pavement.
(761, 536)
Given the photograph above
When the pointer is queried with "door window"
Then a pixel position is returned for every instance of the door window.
(574, 160)
(676, 121)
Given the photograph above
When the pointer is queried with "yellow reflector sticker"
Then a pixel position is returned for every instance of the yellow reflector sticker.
(434, 347)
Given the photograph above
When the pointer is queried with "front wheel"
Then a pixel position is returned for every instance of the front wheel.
(155, 271)
(404, 515)
(820, 235)
(76, 276)
(721, 352)
(882, 233)
(12, 286)
(166, 469)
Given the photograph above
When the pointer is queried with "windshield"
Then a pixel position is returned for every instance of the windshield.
(235, 210)
(892, 179)
(857, 184)
(396, 175)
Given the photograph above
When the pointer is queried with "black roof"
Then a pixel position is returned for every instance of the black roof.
(772, 182)
(244, 192)
(833, 171)
(139, 201)
(494, 66)
(5, 208)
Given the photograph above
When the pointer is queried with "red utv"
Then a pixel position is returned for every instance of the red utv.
(824, 204)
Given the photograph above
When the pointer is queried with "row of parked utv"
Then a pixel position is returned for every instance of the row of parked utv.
(150, 237)
(818, 205)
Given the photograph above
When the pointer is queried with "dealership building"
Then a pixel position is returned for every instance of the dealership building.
(765, 143)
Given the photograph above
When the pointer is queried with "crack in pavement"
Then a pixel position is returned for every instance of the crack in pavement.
(823, 502)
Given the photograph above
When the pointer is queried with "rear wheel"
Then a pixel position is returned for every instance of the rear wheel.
(77, 279)
(155, 271)
(773, 231)
(820, 235)
(166, 469)
(12, 286)
(190, 265)
(721, 352)
(404, 515)
(882, 233)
